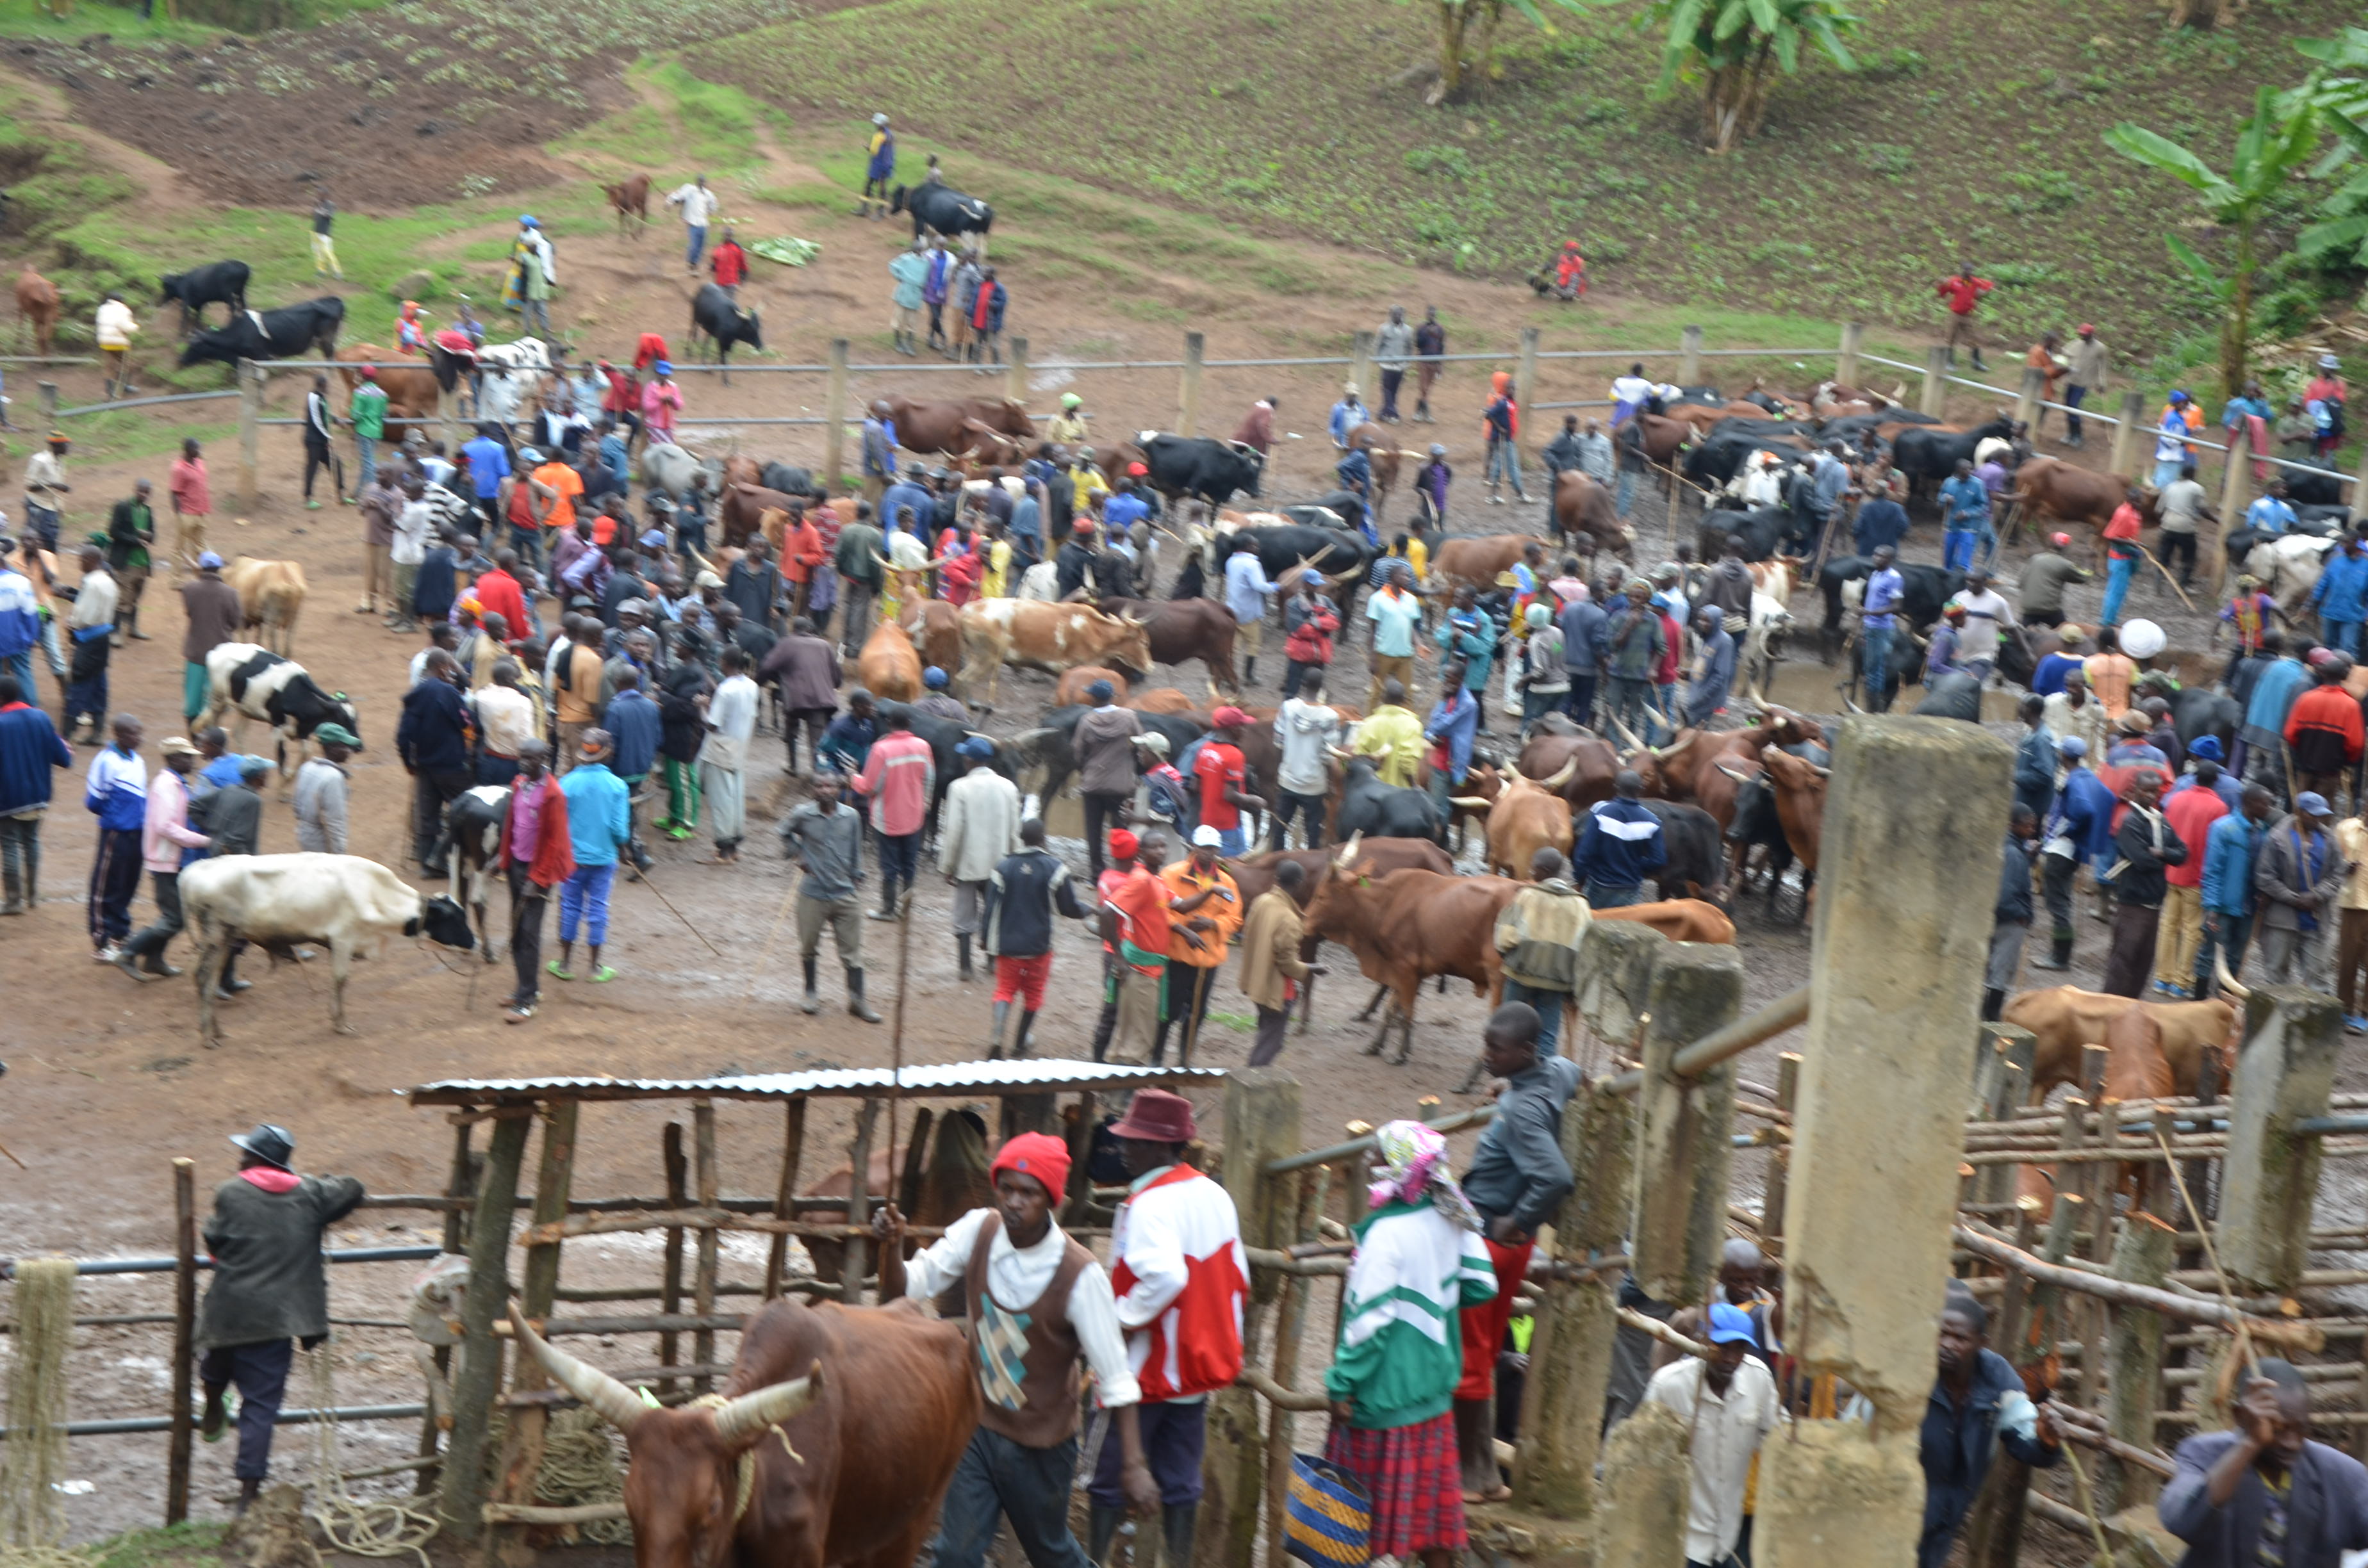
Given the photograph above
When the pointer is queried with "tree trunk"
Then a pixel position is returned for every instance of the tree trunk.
(1734, 100)
(1453, 18)
(2235, 329)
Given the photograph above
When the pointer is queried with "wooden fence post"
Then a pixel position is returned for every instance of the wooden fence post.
(1570, 1349)
(2124, 463)
(794, 1143)
(2284, 1073)
(2006, 1054)
(1994, 1534)
(1525, 387)
(1780, 1158)
(2142, 1256)
(1014, 381)
(1689, 344)
(834, 417)
(1684, 1124)
(487, 1298)
(2360, 488)
(854, 1260)
(522, 1448)
(1261, 1127)
(184, 1318)
(1187, 386)
(1846, 360)
(702, 1286)
(678, 1180)
(1936, 381)
(250, 416)
(47, 396)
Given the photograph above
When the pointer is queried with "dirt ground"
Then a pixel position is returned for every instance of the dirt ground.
(105, 1080)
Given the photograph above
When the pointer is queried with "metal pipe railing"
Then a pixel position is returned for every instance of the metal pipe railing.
(1788, 1011)
(285, 1419)
(167, 1265)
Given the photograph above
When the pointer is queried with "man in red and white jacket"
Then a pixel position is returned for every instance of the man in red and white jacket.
(1180, 1278)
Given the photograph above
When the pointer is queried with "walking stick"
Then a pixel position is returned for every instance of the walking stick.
(1200, 999)
(679, 915)
(2166, 576)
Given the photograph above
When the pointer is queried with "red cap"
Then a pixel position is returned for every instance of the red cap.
(1037, 1155)
(1158, 1116)
(1228, 718)
(2086, 329)
(1123, 843)
(1136, 470)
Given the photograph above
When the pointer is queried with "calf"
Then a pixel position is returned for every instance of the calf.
(305, 331)
(223, 282)
(37, 303)
(260, 685)
(714, 314)
(472, 834)
(343, 903)
(270, 596)
(630, 198)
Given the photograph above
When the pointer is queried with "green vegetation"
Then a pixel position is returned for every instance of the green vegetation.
(703, 126)
(1889, 176)
(1467, 40)
(178, 1546)
(30, 18)
(1733, 47)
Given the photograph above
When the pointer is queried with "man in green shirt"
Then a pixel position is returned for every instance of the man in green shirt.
(1394, 613)
(131, 530)
(367, 412)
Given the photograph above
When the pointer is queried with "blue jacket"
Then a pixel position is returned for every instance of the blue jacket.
(901, 494)
(599, 809)
(2034, 772)
(1454, 730)
(2047, 679)
(1880, 523)
(1957, 1446)
(2274, 694)
(846, 743)
(636, 722)
(1621, 845)
(1583, 626)
(2232, 850)
(433, 734)
(2326, 1507)
(2342, 590)
(1964, 502)
(29, 749)
(2083, 812)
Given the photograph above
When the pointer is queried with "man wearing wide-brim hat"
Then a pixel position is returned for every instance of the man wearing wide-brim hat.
(270, 1286)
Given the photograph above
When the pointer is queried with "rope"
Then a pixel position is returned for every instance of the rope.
(34, 1460)
(579, 1466)
(373, 1527)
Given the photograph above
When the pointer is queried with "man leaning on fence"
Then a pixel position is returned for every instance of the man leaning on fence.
(2265, 1492)
(270, 1285)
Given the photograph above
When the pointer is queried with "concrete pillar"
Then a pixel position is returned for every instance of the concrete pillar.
(1936, 381)
(2284, 1073)
(834, 417)
(2127, 454)
(1615, 970)
(250, 414)
(1646, 1480)
(1570, 1352)
(2133, 1388)
(1846, 360)
(1187, 390)
(1918, 811)
(1014, 381)
(47, 395)
(1525, 389)
(1684, 1125)
(1261, 1125)
(1689, 344)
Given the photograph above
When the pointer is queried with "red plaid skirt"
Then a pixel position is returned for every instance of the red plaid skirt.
(1415, 1479)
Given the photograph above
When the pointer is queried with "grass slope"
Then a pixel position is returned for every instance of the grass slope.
(1974, 133)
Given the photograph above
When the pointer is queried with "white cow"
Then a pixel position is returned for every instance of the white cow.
(1763, 641)
(343, 903)
(2289, 567)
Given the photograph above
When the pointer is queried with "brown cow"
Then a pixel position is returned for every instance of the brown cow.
(37, 303)
(1381, 450)
(2051, 487)
(1799, 787)
(1583, 506)
(2065, 1017)
(1051, 638)
(1596, 764)
(630, 198)
(1166, 700)
(889, 665)
(1529, 815)
(270, 595)
(850, 1459)
(1179, 631)
(1687, 768)
(1679, 919)
(952, 1183)
(740, 511)
(741, 469)
(1477, 562)
(1408, 925)
(943, 426)
(411, 395)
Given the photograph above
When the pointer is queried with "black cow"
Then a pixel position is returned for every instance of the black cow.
(1330, 550)
(1856, 431)
(1720, 453)
(201, 286)
(290, 332)
(2321, 519)
(2313, 487)
(1697, 863)
(714, 313)
(1052, 746)
(1200, 465)
(788, 480)
(1953, 696)
(944, 736)
(2197, 712)
(1924, 590)
(473, 841)
(1383, 810)
(1755, 825)
(942, 208)
(1758, 530)
(1927, 457)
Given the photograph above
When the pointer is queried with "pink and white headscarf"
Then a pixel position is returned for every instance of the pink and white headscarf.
(1415, 1157)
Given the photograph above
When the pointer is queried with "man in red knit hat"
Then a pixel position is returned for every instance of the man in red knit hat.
(1038, 1304)
(1181, 1277)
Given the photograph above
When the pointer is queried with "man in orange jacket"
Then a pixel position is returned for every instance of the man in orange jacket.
(2323, 729)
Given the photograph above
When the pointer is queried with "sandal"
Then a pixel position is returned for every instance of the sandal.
(558, 973)
(602, 975)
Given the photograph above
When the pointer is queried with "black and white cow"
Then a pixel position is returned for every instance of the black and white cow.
(290, 332)
(256, 683)
(943, 209)
(472, 836)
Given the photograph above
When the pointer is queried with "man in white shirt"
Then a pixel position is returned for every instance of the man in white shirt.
(724, 759)
(1729, 1405)
(1037, 1304)
(1247, 588)
(87, 628)
(412, 523)
(505, 720)
(1988, 618)
(698, 204)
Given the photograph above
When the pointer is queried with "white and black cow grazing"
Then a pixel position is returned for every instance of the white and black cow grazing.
(256, 683)
(473, 840)
(343, 903)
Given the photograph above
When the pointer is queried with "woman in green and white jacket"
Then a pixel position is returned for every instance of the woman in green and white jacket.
(1419, 1260)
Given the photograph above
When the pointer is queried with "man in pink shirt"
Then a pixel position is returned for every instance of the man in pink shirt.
(164, 835)
(2191, 813)
(900, 778)
(193, 502)
(661, 400)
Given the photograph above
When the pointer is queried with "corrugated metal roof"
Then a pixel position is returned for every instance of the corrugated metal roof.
(942, 1078)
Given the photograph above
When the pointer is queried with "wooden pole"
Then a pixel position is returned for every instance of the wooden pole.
(1014, 380)
(857, 1255)
(463, 1480)
(793, 1142)
(250, 414)
(1936, 381)
(1995, 1539)
(2124, 462)
(1262, 1125)
(834, 415)
(2233, 500)
(1771, 1201)
(1525, 387)
(1361, 364)
(459, 1185)
(1690, 345)
(185, 1324)
(2360, 488)
(702, 1296)
(1291, 1321)
(1845, 360)
(1080, 1196)
(522, 1448)
(678, 1180)
(1187, 386)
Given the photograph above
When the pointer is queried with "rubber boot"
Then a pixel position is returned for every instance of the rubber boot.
(1176, 1524)
(1027, 1022)
(994, 1045)
(962, 940)
(855, 1002)
(2059, 954)
(1993, 998)
(813, 1003)
(1249, 672)
(1101, 1531)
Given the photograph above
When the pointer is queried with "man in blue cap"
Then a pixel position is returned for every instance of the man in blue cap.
(937, 704)
(1729, 1405)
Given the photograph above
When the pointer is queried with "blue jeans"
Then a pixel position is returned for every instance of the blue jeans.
(1548, 1004)
(698, 246)
(2235, 931)
(1627, 491)
(1957, 550)
(583, 900)
(1505, 467)
(2117, 570)
(260, 1371)
(2166, 474)
(1174, 1437)
(1605, 895)
(1235, 841)
(2074, 397)
(900, 859)
(1986, 537)
(366, 453)
(2343, 636)
(21, 666)
(998, 1477)
(1875, 664)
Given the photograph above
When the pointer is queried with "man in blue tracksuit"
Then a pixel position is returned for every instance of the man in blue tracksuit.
(1964, 512)
(1619, 846)
(1976, 1405)
(2079, 829)
(2341, 595)
(2232, 850)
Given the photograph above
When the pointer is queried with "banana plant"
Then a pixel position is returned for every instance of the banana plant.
(1467, 38)
(1734, 47)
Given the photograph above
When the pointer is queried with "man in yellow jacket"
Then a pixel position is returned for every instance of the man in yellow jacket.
(1392, 733)
(1271, 938)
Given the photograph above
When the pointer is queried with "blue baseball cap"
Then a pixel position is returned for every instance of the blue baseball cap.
(2310, 803)
(2071, 745)
(933, 677)
(1729, 1322)
(976, 745)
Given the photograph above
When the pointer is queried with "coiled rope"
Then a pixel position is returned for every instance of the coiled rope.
(371, 1527)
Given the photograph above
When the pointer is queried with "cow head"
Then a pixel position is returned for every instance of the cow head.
(751, 328)
(682, 1481)
(442, 921)
(169, 289)
(897, 198)
(1127, 642)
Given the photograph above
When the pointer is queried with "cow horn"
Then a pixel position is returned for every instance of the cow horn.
(2226, 981)
(1822, 772)
(1343, 755)
(1636, 742)
(1732, 772)
(1553, 785)
(612, 1401)
(1852, 706)
(1470, 802)
(753, 1412)
(1347, 856)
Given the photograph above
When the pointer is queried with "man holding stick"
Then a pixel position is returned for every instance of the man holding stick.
(2264, 1492)
(1204, 911)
